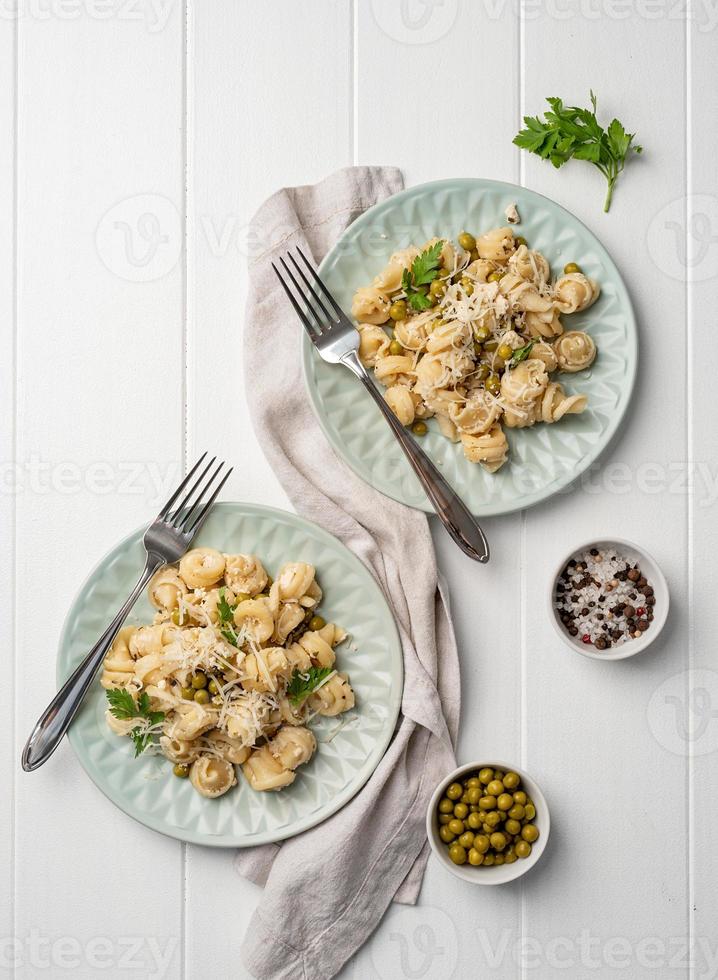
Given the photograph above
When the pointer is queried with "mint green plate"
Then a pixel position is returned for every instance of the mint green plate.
(350, 747)
(543, 459)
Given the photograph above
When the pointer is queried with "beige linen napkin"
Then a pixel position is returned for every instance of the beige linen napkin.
(326, 890)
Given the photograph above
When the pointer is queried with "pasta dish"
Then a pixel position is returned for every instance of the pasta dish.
(471, 333)
(230, 672)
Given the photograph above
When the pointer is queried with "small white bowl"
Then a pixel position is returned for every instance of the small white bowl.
(655, 578)
(495, 875)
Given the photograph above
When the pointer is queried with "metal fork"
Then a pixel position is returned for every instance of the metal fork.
(165, 540)
(336, 340)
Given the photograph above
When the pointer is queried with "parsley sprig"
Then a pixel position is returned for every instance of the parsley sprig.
(303, 682)
(520, 354)
(568, 131)
(226, 620)
(124, 707)
(424, 269)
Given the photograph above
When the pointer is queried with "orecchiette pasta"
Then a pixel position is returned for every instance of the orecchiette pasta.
(211, 776)
(575, 351)
(231, 671)
(201, 567)
(475, 338)
(575, 292)
(370, 305)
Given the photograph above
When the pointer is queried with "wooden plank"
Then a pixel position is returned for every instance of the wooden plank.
(609, 872)
(8, 760)
(287, 120)
(418, 68)
(690, 722)
(99, 378)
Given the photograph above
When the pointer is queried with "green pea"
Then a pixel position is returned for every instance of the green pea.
(213, 686)
(437, 288)
(482, 372)
(483, 333)
(487, 802)
(512, 780)
(530, 833)
(495, 787)
(494, 276)
(467, 285)
(513, 827)
(493, 384)
(474, 254)
(570, 268)
(419, 428)
(187, 693)
(493, 818)
(474, 821)
(504, 353)
(523, 849)
(520, 240)
(491, 346)
(182, 772)
(520, 797)
(456, 826)
(397, 310)
(474, 795)
(199, 681)
(482, 843)
(457, 853)
(395, 348)
(499, 859)
(475, 857)
(317, 623)
(176, 617)
(510, 857)
(517, 812)
(201, 696)
(455, 791)
(474, 781)
(504, 801)
(489, 859)
(486, 775)
(467, 241)
(445, 818)
(242, 597)
(467, 839)
(498, 841)
(446, 806)
(461, 811)
(530, 811)
(446, 834)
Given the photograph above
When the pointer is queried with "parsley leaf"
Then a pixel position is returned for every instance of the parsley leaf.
(122, 704)
(123, 707)
(303, 682)
(571, 132)
(520, 354)
(224, 611)
(424, 269)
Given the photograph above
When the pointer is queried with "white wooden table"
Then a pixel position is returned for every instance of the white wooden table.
(122, 359)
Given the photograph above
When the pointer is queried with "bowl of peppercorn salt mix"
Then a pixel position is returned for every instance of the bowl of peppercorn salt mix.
(608, 600)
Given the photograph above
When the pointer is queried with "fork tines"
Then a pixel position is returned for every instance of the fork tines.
(184, 516)
(316, 318)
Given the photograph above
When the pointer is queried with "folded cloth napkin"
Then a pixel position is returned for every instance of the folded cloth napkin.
(326, 890)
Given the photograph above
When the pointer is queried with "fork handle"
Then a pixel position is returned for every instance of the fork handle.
(57, 717)
(450, 508)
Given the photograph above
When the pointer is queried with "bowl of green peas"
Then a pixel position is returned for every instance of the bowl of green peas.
(488, 822)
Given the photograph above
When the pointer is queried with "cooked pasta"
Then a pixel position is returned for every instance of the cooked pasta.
(230, 673)
(476, 333)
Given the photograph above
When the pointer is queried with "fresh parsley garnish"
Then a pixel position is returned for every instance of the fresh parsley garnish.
(303, 682)
(520, 354)
(424, 269)
(225, 611)
(124, 707)
(567, 131)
